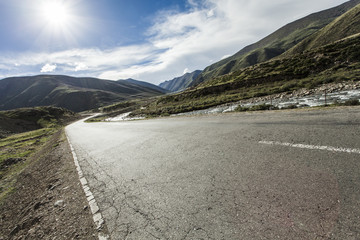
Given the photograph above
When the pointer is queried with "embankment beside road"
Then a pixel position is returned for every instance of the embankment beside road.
(47, 200)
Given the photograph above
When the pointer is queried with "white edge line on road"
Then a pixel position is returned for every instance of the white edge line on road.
(97, 217)
(312, 147)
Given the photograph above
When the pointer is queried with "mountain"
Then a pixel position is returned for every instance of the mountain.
(144, 84)
(276, 43)
(344, 26)
(180, 83)
(76, 94)
(333, 60)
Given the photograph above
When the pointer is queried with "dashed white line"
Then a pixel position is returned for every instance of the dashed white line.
(312, 147)
(97, 217)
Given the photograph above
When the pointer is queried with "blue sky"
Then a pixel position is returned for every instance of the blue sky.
(150, 40)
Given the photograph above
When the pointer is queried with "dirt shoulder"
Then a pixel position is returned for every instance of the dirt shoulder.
(48, 201)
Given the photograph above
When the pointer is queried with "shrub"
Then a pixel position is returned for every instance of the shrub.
(241, 109)
(261, 107)
(352, 102)
(292, 106)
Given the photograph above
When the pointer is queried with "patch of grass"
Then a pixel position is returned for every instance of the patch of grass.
(28, 119)
(96, 119)
(14, 153)
(122, 107)
(261, 107)
(350, 102)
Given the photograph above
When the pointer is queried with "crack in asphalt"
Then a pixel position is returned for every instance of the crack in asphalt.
(111, 203)
(220, 183)
(124, 197)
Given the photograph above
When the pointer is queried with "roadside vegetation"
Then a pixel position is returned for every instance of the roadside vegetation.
(40, 194)
(266, 107)
(324, 55)
(23, 133)
(14, 152)
(333, 63)
(120, 108)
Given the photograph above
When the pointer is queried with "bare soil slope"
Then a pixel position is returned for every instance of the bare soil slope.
(47, 201)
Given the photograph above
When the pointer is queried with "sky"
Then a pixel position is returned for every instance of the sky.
(148, 40)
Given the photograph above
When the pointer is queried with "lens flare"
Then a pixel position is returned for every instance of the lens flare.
(56, 13)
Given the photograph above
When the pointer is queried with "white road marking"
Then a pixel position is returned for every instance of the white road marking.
(312, 147)
(97, 217)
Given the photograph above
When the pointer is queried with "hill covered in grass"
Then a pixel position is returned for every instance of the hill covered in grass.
(335, 62)
(28, 119)
(344, 26)
(276, 43)
(76, 94)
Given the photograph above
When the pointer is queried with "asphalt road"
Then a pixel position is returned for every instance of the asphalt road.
(271, 175)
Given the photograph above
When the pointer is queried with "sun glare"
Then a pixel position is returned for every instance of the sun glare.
(59, 22)
(56, 13)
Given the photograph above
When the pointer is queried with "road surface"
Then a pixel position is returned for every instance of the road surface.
(271, 175)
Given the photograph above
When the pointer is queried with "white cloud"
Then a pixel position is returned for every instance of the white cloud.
(48, 68)
(81, 67)
(186, 70)
(207, 32)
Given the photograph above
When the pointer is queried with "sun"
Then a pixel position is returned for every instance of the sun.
(60, 22)
(56, 13)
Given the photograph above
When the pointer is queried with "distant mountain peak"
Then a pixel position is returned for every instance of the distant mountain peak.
(180, 83)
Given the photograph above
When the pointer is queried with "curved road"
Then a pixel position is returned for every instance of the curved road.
(271, 175)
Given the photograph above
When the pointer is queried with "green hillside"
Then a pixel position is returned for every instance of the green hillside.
(76, 94)
(28, 119)
(276, 43)
(346, 25)
(335, 62)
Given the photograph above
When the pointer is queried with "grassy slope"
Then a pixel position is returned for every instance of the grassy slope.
(21, 144)
(276, 43)
(346, 25)
(14, 152)
(28, 210)
(331, 63)
(76, 94)
(27, 119)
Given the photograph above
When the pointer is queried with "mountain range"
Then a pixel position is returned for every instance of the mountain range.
(329, 55)
(271, 46)
(76, 94)
(316, 49)
(144, 84)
